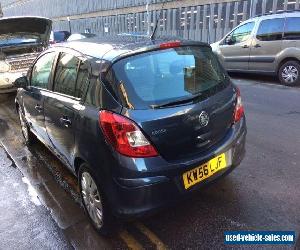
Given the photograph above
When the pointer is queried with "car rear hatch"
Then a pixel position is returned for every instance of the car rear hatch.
(180, 97)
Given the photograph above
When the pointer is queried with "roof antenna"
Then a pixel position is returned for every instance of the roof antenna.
(157, 20)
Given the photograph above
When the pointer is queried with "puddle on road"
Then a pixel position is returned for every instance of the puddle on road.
(32, 192)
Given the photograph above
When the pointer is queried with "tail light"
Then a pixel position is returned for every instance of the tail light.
(239, 108)
(125, 136)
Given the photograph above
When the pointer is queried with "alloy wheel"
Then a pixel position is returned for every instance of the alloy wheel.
(290, 74)
(92, 199)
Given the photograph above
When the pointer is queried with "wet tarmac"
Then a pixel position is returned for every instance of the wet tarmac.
(24, 222)
(262, 194)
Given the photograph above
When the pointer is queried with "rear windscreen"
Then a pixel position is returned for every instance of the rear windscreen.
(156, 77)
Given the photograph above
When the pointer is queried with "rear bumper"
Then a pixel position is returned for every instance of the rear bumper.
(135, 197)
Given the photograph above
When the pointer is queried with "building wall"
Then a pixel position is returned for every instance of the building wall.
(202, 20)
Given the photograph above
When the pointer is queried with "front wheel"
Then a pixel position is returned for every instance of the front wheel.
(289, 73)
(27, 134)
(94, 201)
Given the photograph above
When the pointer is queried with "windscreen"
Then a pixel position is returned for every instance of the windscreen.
(15, 41)
(162, 76)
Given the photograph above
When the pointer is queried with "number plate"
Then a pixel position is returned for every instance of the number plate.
(204, 171)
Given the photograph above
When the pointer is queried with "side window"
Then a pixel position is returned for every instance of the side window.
(292, 28)
(41, 71)
(242, 33)
(66, 74)
(82, 80)
(270, 30)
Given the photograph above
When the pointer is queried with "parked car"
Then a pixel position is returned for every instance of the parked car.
(268, 44)
(21, 40)
(59, 36)
(140, 124)
(79, 36)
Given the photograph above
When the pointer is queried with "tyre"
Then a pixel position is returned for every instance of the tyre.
(27, 134)
(94, 202)
(289, 73)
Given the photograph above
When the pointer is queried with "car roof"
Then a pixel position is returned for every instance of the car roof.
(112, 47)
(294, 13)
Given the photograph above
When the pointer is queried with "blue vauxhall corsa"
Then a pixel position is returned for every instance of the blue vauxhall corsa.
(141, 122)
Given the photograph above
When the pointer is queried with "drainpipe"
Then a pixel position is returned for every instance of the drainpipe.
(251, 8)
(148, 18)
(69, 21)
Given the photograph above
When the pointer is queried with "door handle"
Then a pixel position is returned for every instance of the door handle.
(257, 45)
(39, 108)
(245, 46)
(65, 121)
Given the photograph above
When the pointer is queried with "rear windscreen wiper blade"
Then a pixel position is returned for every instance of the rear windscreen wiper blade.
(177, 102)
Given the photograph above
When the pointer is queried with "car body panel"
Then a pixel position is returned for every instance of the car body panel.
(135, 186)
(177, 133)
(33, 103)
(60, 114)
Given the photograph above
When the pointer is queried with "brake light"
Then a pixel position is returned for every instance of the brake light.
(169, 45)
(125, 136)
(239, 108)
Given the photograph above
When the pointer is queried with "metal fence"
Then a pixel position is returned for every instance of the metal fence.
(203, 22)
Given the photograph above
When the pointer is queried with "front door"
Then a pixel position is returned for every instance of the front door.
(235, 48)
(266, 45)
(33, 98)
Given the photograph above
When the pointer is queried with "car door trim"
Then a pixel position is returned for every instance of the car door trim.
(262, 59)
(237, 59)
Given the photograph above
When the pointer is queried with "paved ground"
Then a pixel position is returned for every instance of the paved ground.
(262, 194)
(24, 222)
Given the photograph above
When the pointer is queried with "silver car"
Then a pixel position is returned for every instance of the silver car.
(268, 44)
(21, 40)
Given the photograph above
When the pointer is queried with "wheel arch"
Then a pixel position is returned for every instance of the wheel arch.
(286, 60)
(78, 161)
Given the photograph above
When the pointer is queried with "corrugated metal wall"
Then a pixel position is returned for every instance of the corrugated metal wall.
(208, 22)
(57, 8)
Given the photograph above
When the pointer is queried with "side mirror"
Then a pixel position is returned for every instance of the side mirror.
(21, 82)
(229, 40)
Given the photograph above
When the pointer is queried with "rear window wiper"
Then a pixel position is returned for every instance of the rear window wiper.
(184, 100)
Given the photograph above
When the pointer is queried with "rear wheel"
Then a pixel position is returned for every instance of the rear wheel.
(27, 134)
(94, 202)
(289, 73)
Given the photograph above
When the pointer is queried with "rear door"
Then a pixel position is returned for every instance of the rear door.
(150, 86)
(33, 98)
(235, 48)
(63, 104)
(266, 45)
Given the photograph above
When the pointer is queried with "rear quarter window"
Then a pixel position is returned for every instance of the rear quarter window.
(292, 28)
(270, 29)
